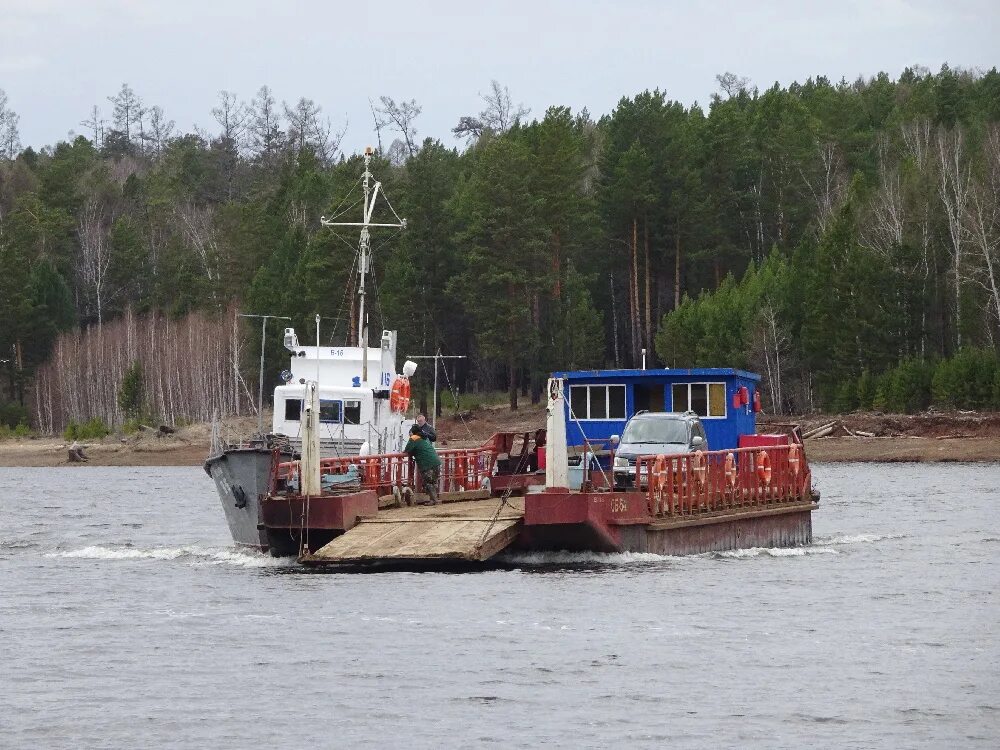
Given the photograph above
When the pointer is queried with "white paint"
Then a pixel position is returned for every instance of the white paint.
(556, 458)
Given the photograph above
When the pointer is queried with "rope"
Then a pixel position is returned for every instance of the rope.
(454, 394)
(589, 448)
(504, 501)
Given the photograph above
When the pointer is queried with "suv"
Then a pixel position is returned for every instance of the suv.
(652, 434)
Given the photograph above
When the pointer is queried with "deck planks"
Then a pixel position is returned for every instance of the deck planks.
(467, 530)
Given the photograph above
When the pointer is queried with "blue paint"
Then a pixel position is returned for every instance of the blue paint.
(657, 388)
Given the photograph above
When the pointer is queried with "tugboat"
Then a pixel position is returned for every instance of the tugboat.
(361, 401)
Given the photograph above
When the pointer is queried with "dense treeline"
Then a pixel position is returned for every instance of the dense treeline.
(825, 234)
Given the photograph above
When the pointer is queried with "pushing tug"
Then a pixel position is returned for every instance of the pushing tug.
(756, 492)
(361, 400)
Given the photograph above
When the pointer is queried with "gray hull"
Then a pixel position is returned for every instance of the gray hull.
(241, 477)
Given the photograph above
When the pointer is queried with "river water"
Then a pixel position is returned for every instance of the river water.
(128, 621)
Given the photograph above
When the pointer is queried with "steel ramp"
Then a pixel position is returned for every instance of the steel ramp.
(472, 530)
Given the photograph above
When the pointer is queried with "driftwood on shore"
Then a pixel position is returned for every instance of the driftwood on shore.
(821, 431)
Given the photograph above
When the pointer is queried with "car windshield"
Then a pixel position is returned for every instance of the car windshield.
(655, 431)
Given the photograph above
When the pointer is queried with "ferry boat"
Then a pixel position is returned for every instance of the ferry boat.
(756, 492)
(362, 402)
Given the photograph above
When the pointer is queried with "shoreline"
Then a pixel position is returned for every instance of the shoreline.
(50, 452)
(930, 437)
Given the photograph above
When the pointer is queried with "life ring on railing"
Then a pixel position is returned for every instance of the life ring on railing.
(731, 475)
(399, 396)
(795, 459)
(659, 478)
(763, 467)
(698, 467)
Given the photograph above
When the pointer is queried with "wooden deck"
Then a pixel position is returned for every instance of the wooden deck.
(466, 530)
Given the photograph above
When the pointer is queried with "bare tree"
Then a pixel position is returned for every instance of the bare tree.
(160, 130)
(197, 225)
(232, 116)
(400, 117)
(264, 125)
(128, 112)
(499, 116)
(94, 261)
(10, 139)
(305, 128)
(983, 218)
(829, 185)
(884, 232)
(732, 84)
(96, 124)
(953, 189)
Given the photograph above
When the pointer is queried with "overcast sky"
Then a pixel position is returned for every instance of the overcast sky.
(58, 58)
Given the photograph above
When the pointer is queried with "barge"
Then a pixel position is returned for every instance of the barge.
(759, 495)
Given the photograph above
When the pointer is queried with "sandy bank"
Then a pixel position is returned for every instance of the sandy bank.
(926, 437)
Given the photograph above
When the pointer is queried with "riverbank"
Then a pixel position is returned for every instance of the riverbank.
(887, 438)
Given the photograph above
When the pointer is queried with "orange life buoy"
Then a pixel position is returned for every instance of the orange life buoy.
(399, 396)
(763, 467)
(795, 459)
(658, 480)
(731, 470)
(698, 467)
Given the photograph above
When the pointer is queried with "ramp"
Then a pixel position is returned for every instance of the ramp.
(469, 530)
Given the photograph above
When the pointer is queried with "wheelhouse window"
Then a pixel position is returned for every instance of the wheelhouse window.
(329, 411)
(293, 409)
(597, 401)
(352, 412)
(704, 399)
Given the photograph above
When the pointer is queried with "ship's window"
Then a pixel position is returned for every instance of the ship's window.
(597, 401)
(680, 393)
(716, 399)
(352, 412)
(616, 402)
(704, 399)
(293, 409)
(329, 410)
(699, 399)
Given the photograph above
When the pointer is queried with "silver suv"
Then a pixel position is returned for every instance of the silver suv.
(652, 434)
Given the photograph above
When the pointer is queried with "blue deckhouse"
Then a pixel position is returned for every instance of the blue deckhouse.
(600, 402)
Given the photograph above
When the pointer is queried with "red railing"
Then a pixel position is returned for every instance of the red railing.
(461, 469)
(692, 483)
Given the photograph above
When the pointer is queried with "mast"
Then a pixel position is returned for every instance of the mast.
(364, 251)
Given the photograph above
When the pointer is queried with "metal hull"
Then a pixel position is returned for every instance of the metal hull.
(242, 477)
(618, 522)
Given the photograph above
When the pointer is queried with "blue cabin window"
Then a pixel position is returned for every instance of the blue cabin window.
(704, 399)
(597, 401)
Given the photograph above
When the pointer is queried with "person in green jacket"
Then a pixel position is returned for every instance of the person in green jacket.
(428, 462)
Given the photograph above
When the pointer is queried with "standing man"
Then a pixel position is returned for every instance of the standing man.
(427, 432)
(428, 462)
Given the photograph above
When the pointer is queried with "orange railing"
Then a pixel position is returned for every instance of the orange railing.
(461, 469)
(692, 483)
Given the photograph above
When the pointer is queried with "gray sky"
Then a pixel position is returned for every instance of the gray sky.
(60, 57)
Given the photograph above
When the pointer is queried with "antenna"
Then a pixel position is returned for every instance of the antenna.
(260, 385)
(364, 249)
(436, 356)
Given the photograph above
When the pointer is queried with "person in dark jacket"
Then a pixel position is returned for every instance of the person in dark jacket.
(428, 462)
(427, 432)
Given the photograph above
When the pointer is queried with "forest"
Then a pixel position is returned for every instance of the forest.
(840, 238)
